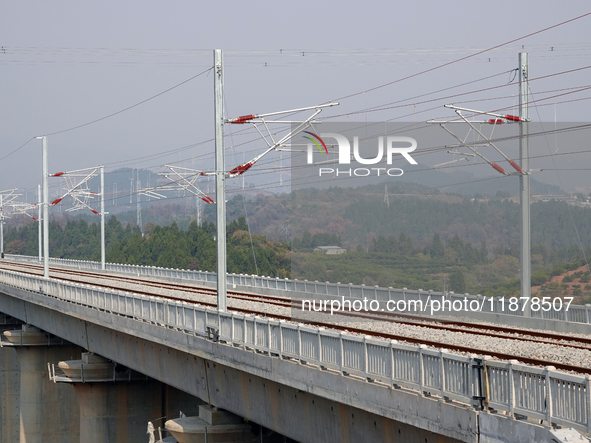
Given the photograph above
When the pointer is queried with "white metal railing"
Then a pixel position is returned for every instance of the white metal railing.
(543, 394)
(427, 300)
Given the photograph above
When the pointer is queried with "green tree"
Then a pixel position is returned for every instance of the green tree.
(437, 250)
(539, 277)
(457, 282)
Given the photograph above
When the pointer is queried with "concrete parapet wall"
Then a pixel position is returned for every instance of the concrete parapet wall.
(498, 429)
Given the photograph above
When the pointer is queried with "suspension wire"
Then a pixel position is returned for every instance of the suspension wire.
(560, 181)
(377, 107)
(18, 149)
(423, 125)
(463, 58)
(490, 88)
(132, 106)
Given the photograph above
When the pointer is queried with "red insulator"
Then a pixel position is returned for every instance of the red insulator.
(96, 212)
(34, 218)
(59, 174)
(210, 200)
(246, 167)
(516, 166)
(498, 168)
(56, 201)
(496, 121)
(241, 169)
(513, 118)
(243, 119)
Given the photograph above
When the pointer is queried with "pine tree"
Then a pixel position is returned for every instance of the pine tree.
(457, 282)
(437, 250)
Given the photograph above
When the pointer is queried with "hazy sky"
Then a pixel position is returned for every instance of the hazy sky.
(66, 63)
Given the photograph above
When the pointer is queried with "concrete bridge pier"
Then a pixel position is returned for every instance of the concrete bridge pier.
(116, 403)
(47, 412)
(10, 385)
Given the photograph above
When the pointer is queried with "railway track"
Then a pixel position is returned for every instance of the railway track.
(109, 281)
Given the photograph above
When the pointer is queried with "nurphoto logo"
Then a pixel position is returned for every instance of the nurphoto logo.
(393, 146)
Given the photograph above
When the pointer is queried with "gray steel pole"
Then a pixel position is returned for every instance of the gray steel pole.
(39, 218)
(102, 218)
(524, 179)
(220, 175)
(45, 213)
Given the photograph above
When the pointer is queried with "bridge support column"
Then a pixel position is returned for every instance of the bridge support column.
(116, 403)
(10, 385)
(47, 412)
(9, 396)
(212, 425)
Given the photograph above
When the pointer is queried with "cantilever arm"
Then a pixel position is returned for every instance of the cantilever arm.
(274, 145)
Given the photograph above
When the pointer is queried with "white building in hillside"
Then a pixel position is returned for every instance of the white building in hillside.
(330, 250)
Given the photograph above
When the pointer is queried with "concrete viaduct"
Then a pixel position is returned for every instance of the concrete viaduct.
(82, 364)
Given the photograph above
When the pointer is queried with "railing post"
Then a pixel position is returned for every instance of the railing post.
(482, 381)
(341, 360)
(365, 364)
(269, 341)
(281, 322)
(392, 343)
(547, 370)
(320, 346)
(231, 328)
(254, 332)
(299, 344)
(442, 372)
(421, 369)
(512, 388)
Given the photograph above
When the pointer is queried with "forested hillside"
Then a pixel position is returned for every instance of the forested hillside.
(356, 215)
(166, 246)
